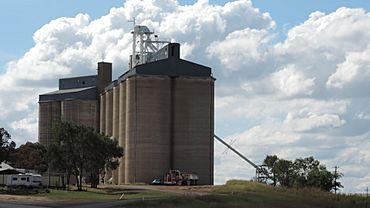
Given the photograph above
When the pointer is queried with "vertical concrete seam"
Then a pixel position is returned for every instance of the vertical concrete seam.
(172, 120)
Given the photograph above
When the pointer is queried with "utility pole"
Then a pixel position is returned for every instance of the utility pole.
(335, 179)
(367, 195)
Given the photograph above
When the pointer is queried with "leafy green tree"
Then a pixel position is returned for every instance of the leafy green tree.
(6, 146)
(105, 156)
(81, 150)
(270, 163)
(303, 172)
(60, 154)
(302, 168)
(29, 156)
(284, 172)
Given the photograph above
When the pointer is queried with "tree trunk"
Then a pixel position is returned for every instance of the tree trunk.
(94, 178)
(81, 175)
(63, 182)
(77, 183)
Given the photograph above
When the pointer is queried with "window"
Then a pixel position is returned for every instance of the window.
(15, 179)
(23, 179)
(28, 179)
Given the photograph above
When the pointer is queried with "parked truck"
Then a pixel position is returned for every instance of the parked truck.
(176, 177)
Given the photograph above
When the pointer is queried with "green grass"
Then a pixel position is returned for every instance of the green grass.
(249, 194)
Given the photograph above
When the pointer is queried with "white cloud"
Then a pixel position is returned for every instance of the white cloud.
(290, 81)
(363, 115)
(356, 68)
(240, 48)
(310, 121)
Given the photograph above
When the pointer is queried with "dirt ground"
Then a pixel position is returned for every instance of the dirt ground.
(202, 189)
(6, 197)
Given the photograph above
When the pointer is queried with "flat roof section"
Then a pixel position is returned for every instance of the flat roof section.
(87, 93)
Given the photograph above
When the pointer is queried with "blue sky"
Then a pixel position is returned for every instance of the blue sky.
(297, 95)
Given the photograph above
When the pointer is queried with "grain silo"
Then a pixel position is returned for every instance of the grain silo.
(49, 115)
(122, 130)
(75, 101)
(161, 111)
(165, 114)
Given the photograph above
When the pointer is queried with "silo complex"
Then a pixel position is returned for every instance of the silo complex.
(76, 101)
(163, 118)
(161, 111)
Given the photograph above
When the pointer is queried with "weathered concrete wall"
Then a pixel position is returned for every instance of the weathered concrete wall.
(102, 113)
(147, 128)
(108, 121)
(122, 130)
(49, 116)
(193, 127)
(115, 124)
(109, 113)
(80, 112)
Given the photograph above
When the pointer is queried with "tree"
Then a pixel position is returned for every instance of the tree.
(284, 172)
(303, 172)
(59, 154)
(337, 175)
(105, 156)
(270, 163)
(80, 149)
(6, 146)
(29, 156)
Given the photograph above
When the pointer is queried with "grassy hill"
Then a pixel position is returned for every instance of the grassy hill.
(250, 194)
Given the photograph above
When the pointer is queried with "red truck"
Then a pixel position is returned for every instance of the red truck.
(176, 177)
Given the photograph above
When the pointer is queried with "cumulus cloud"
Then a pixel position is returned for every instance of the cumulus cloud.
(301, 96)
(355, 69)
(240, 48)
(71, 46)
(290, 82)
(310, 121)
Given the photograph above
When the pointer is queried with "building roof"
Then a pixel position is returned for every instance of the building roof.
(4, 166)
(7, 169)
(86, 93)
(66, 91)
(172, 66)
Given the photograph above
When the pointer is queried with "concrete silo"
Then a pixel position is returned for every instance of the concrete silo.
(115, 124)
(76, 100)
(169, 115)
(102, 112)
(122, 129)
(49, 116)
(147, 149)
(193, 126)
(160, 111)
(80, 112)
(108, 113)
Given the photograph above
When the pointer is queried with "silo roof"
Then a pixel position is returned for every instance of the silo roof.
(87, 93)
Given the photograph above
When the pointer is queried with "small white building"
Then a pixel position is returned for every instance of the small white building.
(5, 172)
